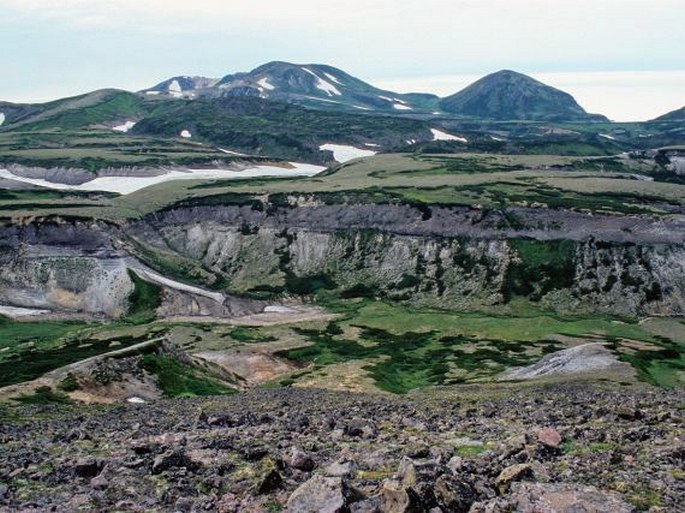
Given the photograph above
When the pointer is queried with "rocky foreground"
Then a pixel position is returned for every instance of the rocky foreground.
(541, 448)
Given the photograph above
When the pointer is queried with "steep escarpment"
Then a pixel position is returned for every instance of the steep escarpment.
(67, 266)
(443, 256)
(432, 255)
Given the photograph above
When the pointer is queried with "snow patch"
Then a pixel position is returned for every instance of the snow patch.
(229, 152)
(439, 135)
(135, 400)
(371, 145)
(343, 153)
(399, 106)
(278, 309)
(152, 93)
(175, 89)
(16, 311)
(264, 83)
(2, 118)
(185, 134)
(125, 127)
(607, 136)
(411, 141)
(360, 107)
(324, 86)
(334, 79)
(129, 184)
(321, 99)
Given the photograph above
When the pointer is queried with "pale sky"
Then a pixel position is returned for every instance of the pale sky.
(53, 48)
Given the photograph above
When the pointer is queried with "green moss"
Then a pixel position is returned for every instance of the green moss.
(143, 301)
(541, 266)
(43, 395)
(69, 383)
(180, 379)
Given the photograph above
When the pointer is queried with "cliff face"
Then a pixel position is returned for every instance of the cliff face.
(63, 266)
(435, 256)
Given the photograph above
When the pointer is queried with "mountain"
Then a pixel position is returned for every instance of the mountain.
(313, 85)
(102, 107)
(676, 115)
(181, 86)
(265, 127)
(508, 95)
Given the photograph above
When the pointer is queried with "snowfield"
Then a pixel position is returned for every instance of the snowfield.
(343, 153)
(125, 127)
(332, 78)
(129, 184)
(399, 106)
(264, 83)
(175, 89)
(324, 86)
(439, 135)
(2, 118)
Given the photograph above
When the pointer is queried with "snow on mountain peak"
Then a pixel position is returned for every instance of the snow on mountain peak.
(324, 86)
(264, 83)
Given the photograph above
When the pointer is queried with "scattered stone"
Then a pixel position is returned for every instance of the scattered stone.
(396, 498)
(516, 472)
(300, 460)
(319, 495)
(453, 494)
(271, 482)
(172, 459)
(342, 468)
(99, 483)
(549, 437)
(550, 498)
(359, 428)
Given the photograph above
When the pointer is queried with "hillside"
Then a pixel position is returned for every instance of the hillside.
(676, 115)
(507, 95)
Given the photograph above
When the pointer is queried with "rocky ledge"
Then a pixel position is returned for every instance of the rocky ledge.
(532, 448)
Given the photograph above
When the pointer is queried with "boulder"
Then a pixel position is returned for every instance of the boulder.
(319, 495)
(549, 437)
(512, 473)
(300, 460)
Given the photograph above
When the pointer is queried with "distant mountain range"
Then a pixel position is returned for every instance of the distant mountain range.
(293, 111)
(505, 95)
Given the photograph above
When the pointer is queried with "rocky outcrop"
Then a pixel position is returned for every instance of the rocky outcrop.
(583, 359)
(448, 257)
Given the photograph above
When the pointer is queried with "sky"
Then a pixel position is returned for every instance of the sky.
(623, 58)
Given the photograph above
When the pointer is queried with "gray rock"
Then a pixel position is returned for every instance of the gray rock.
(300, 460)
(342, 468)
(319, 495)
